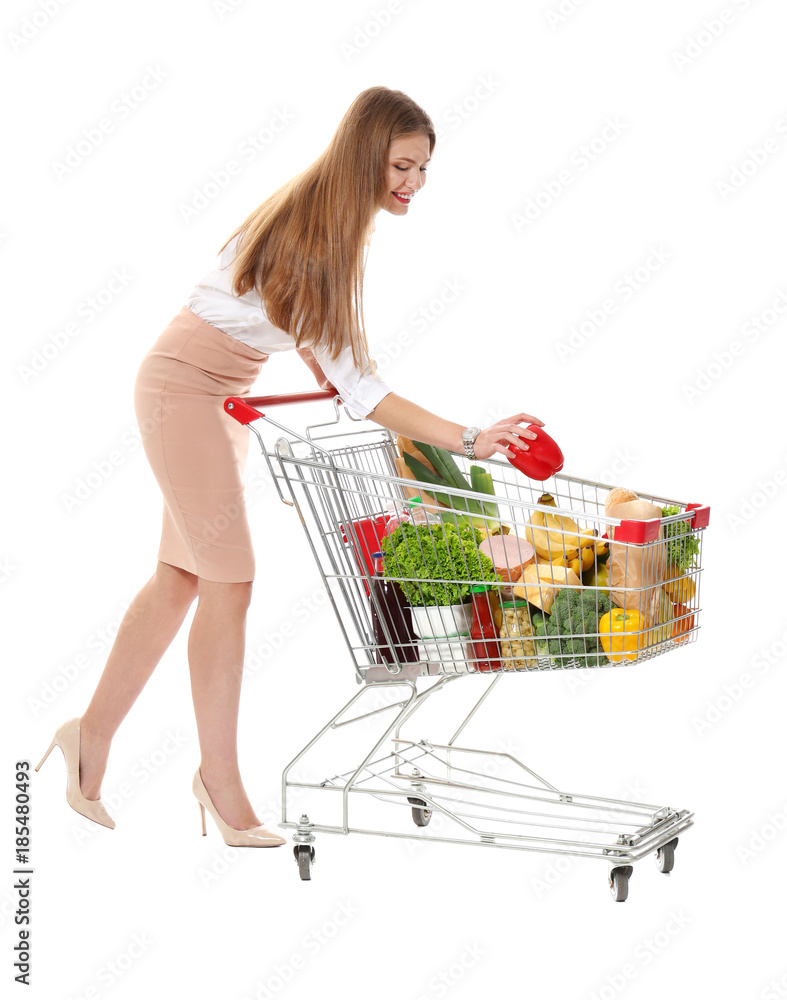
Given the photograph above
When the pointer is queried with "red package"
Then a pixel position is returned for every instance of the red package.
(365, 538)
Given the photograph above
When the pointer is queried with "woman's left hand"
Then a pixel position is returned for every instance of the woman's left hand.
(495, 439)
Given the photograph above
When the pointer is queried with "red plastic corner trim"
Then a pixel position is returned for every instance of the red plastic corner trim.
(701, 514)
(240, 410)
(638, 532)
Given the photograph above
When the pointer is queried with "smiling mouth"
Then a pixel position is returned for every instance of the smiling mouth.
(403, 198)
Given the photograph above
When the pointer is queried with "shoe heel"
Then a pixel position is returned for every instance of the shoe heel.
(49, 751)
(202, 811)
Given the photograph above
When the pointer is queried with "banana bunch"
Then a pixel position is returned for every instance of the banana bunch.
(559, 539)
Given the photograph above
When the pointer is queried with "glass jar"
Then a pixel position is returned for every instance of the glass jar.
(517, 647)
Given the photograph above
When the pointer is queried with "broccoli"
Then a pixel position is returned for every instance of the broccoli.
(575, 613)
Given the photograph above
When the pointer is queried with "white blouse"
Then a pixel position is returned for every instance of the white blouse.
(244, 317)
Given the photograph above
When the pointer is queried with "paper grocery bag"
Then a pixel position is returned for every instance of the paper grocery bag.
(636, 572)
(404, 473)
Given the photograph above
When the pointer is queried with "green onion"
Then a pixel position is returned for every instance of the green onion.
(447, 473)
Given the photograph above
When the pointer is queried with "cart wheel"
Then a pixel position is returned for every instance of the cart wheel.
(619, 883)
(304, 855)
(421, 815)
(665, 856)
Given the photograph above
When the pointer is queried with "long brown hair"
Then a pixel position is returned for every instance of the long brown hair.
(303, 247)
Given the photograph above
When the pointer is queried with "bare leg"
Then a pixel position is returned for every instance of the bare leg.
(148, 627)
(216, 649)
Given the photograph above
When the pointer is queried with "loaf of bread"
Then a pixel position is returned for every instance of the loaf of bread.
(618, 495)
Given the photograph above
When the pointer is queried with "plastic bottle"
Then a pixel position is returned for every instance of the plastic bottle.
(395, 614)
(421, 513)
(484, 640)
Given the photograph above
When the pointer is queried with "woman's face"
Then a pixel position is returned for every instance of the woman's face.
(406, 173)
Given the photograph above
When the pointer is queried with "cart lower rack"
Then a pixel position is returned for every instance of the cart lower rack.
(429, 588)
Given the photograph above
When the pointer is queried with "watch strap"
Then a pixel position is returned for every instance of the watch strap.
(469, 436)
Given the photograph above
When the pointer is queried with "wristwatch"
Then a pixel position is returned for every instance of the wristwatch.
(469, 434)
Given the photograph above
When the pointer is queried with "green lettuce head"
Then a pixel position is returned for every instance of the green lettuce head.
(440, 557)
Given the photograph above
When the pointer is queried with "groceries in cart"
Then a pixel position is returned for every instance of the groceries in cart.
(478, 569)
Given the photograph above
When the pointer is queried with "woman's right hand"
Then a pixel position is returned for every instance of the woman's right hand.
(494, 440)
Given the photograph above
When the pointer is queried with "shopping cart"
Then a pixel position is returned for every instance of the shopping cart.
(390, 553)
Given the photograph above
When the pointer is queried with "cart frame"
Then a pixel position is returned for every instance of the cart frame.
(422, 778)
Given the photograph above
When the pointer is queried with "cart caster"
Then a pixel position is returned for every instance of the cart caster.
(665, 856)
(421, 815)
(304, 855)
(619, 882)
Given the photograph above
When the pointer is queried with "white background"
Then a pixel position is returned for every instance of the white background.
(516, 90)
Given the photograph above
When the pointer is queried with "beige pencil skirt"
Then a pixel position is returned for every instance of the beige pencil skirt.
(197, 451)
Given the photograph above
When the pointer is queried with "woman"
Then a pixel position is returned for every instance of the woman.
(295, 283)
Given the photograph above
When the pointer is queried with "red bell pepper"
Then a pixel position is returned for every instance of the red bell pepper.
(683, 621)
(542, 459)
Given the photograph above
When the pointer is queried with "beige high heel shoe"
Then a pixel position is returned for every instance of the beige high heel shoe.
(256, 836)
(67, 738)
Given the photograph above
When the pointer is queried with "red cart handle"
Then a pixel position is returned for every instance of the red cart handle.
(242, 407)
(640, 532)
(701, 514)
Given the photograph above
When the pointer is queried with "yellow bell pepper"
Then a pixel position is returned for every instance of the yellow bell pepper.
(618, 630)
